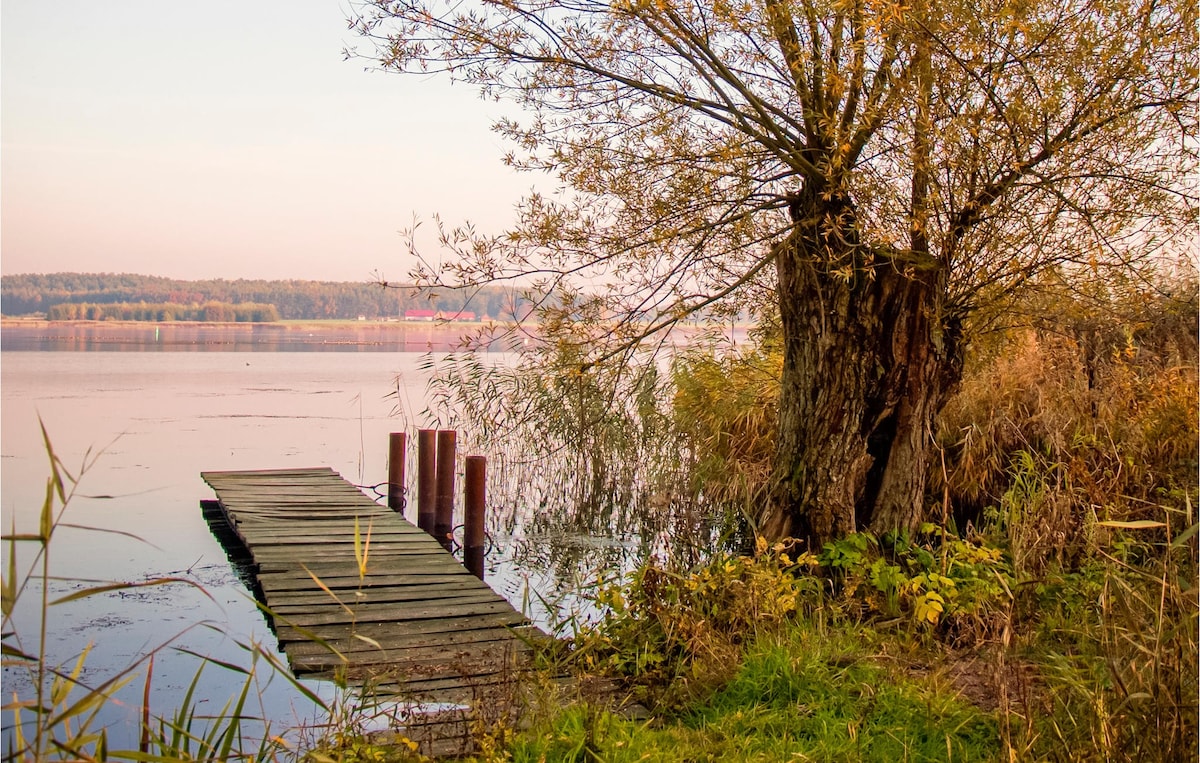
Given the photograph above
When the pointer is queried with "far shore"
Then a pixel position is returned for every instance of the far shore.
(19, 333)
(354, 335)
(322, 323)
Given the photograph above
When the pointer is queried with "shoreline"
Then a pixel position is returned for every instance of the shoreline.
(387, 336)
(290, 324)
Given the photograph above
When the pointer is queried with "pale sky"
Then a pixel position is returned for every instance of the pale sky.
(227, 139)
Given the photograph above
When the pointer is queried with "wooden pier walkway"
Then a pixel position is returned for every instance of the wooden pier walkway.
(416, 623)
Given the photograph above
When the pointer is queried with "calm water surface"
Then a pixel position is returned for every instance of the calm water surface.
(152, 421)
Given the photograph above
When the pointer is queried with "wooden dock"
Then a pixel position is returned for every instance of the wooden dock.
(415, 623)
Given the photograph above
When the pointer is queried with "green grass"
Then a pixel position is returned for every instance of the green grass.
(824, 697)
(1096, 664)
(799, 695)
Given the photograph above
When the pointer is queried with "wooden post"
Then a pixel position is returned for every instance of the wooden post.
(426, 479)
(474, 501)
(397, 450)
(443, 521)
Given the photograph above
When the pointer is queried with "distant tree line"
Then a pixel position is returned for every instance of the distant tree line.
(30, 294)
(244, 312)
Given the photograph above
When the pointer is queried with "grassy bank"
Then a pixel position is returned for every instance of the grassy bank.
(806, 693)
(882, 651)
(935, 649)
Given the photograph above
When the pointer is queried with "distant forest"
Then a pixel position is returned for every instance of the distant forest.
(34, 294)
(244, 312)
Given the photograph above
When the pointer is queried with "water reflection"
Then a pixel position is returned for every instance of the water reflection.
(375, 336)
(157, 420)
(241, 562)
(558, 525)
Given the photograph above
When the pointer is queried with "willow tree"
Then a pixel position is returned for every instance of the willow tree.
(886, 170)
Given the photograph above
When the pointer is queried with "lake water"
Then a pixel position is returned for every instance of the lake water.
(151, 422)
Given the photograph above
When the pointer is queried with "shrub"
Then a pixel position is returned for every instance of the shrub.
(678, 634)
(1086, 416)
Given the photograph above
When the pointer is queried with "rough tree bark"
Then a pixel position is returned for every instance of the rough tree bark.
(870, 357)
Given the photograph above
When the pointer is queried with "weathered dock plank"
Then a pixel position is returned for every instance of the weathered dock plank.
(414, 620)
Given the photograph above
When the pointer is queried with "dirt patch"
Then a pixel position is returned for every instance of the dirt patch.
(992, 680)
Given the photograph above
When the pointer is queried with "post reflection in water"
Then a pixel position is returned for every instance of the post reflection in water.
(155, 420)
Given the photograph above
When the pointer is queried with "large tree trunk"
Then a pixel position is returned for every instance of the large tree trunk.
(869, 359)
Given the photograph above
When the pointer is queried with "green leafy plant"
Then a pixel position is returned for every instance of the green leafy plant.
(678, 633)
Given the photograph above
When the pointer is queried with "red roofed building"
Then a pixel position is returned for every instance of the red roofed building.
(431, 315)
